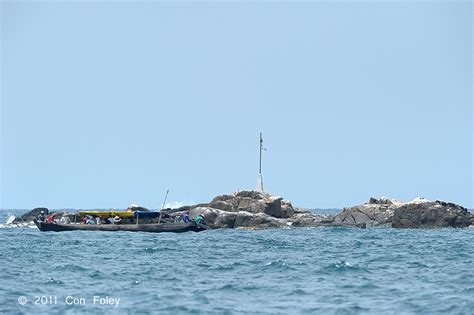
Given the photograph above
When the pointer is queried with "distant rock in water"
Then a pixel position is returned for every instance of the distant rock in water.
(31, 215)
(418, 213)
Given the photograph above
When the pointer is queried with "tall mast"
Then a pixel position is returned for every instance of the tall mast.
(161, 210)
(261, 148)
(260, 177)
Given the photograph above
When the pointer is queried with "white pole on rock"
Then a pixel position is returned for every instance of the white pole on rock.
(260, 176)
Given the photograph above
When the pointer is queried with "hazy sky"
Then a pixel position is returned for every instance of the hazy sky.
(110, 103)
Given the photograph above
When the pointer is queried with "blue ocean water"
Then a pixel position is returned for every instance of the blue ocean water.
(278, 271)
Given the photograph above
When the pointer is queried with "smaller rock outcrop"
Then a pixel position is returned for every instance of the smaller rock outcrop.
(31, 215)
(418, 213)
(423, 213)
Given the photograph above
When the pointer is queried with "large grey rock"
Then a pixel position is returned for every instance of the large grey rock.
(251, 209)
(429, 214)
(253, 202)
(217, 218)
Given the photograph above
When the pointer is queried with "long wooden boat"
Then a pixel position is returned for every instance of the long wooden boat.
(154, 228)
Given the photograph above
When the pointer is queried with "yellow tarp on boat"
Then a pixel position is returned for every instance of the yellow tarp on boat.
(108, 214)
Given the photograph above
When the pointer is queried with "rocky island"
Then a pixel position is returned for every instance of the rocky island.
(250, 209)
(256, 210)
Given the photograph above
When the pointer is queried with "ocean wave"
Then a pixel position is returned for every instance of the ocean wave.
(177, 204)
(54, 281)
(18, 225)
(342, 266)
(9, 223)
(278, 265)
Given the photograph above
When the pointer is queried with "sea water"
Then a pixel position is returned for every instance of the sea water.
(279, 271)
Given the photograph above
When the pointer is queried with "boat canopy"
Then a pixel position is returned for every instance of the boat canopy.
(108, 214)
(123, 214)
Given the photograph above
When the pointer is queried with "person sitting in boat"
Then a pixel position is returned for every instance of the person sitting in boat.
(185, 216)
(200, 219)
(42, 217)
(51, 218)
(90, 220)
(103, 220)
(117, 220)
(65, 220)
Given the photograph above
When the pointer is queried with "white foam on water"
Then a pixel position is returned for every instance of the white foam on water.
(10, 224)
(10, 219)
(177, 204)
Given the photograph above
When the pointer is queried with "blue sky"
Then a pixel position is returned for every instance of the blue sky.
(110, 103)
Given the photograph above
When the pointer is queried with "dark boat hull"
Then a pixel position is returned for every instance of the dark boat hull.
(153, 228)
